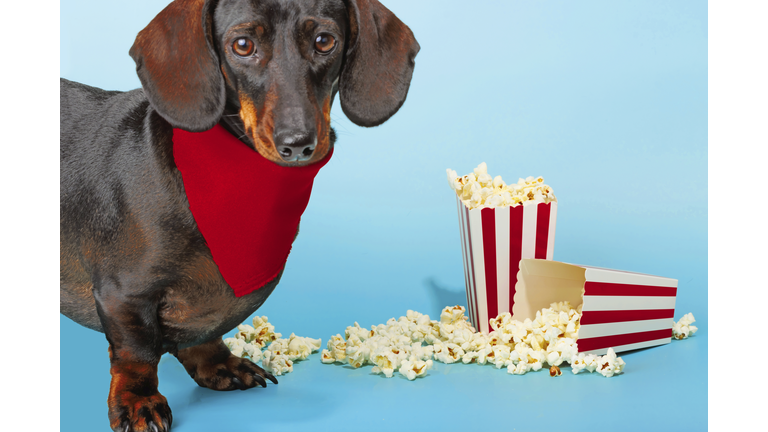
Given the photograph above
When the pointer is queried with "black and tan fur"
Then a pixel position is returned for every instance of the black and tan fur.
(133, 263)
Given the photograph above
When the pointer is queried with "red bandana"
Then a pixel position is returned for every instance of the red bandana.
(246, 207)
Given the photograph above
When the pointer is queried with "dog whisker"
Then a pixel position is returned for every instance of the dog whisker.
(336, 122)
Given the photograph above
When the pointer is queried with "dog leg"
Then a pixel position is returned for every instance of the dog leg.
(212, 365)
(135, 346)
(134, 402)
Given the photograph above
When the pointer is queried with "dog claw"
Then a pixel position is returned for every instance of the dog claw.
(262, 382)
(238, 383)
(270, 377)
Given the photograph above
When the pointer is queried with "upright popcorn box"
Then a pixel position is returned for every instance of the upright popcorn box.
(621, 310)
(493, 242)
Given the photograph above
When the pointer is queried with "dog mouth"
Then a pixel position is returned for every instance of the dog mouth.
(286, 147)
(288, 156)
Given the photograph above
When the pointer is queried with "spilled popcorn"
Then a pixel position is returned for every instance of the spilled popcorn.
(479, 190)
(280, 353)
(683, 328)
(410, 344)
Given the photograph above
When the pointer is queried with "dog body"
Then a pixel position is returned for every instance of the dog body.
(125, 223)
(134, 264)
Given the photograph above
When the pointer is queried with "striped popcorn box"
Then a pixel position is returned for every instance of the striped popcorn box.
(493, 242)
(621, 310)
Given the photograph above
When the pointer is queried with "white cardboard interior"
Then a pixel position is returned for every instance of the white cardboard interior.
(541, 283)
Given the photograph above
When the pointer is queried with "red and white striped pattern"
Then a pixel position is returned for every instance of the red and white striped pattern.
(493, 243)
(625, 311)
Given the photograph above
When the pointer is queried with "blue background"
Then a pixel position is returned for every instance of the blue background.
(606, 100)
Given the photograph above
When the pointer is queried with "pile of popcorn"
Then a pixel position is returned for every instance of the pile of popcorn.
(410, 344)
(279, 356)
(479, 190)
(683, 328)
(521, 347)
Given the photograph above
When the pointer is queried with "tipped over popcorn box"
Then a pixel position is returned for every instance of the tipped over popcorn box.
(620, 310)
(500, 224)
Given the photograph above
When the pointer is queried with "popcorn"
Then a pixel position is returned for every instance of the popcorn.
(479, 190)
(486, 355)
(246, 333)
(386, 362)
(500, 321)
(579, 363)
(501, 355)
(242, 349)
(454, 181)
(281, 353)
(263, 332)
(278, 358)
(358, 354)
(448, 353)
(554, 358)
(683, 328)
(301, 347)
(452, 315)
(520, 369)
(462, 337)
(327, 357)
(469, 357)
(479, 340)
(592, 362)
(337, 350)
(276, 364)
(358, 331)
(561, 350)
(253, 352)
(535, 359)
(415, 368)
(609, 364)
(481, 169)
(279, 347)
(236, 346)
(422, 352)
(549, 340)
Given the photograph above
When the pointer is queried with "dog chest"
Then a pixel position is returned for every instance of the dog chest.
(247, 208)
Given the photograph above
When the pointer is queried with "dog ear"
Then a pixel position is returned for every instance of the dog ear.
(378, 63)
(178, 65)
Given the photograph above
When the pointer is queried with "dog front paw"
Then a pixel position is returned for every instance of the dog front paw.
(213, 366)
(231, 374)
(130, 412)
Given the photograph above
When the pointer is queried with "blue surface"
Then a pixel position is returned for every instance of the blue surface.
(606, 100)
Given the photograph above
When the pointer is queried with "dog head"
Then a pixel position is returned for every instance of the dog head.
(271, 69)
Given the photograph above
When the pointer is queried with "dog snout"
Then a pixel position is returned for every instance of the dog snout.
(295, 146)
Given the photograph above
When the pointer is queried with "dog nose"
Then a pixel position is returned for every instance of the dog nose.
(295, 147)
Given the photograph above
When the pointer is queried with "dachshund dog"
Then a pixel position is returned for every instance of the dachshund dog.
(135, 263)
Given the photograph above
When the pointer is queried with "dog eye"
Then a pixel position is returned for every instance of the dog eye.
(243, 47)
(324, 43)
